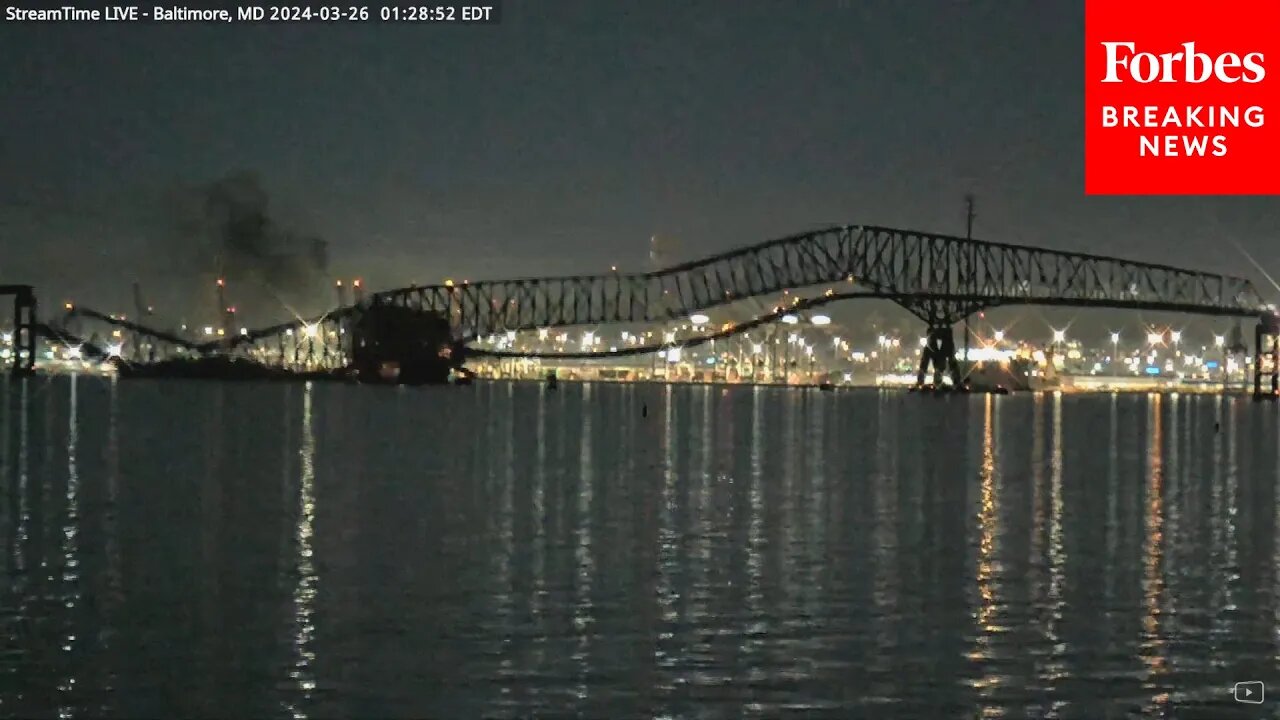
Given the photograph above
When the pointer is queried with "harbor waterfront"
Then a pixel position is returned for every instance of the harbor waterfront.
(507, 550)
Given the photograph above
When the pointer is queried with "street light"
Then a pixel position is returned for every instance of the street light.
(790, 319)
(820, 320)
(1059, 335)
(999, 336)
(1219, 341)
(1155, 338)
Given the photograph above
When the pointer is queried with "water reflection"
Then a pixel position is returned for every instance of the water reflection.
(304, 591)
(630, 551)
(1153, 643)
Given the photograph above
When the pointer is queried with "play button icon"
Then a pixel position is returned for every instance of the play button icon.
(1250, 692)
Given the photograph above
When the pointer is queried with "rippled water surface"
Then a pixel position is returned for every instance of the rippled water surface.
(604, 551)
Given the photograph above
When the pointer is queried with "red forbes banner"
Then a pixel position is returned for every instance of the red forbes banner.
(1182, 97)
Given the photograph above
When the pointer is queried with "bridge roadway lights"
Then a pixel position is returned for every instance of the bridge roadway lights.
(940, 352)
(1268, 329)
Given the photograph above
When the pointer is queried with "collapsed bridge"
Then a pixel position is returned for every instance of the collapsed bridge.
(941, 279)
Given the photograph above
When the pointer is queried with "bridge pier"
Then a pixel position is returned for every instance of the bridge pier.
(939, 351)
(24, 329)
(1265, 367)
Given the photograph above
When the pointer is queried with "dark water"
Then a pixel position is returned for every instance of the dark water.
(204, 550)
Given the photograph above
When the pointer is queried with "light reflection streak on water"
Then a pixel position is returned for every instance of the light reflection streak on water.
(304, 593)
(1231, 539)
(1056, 670)
(1172, 515)
(1153, 643)
(884, 535)
(114, 596)
(700, 488)
(8, 518)
(1037, 555)
(1113, 494)
(70, 555)
(792, 466)
(539, 533)
(665, 655)
(582, 615)
(24, 505)
(1036, 569)
(539, 510)
(1275, 590)
(815, 525)
(1229, 612)
(506, 591)
(1219, 571)
(988, 553)
(756, 627)
(20, 575)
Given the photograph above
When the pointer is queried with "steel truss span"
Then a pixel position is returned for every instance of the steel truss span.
(939, 278)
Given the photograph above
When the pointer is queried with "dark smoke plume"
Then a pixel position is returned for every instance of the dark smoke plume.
(270, 270)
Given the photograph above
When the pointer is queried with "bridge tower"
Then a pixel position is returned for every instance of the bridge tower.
(939, 351)
(941, 315)
(1266, 363)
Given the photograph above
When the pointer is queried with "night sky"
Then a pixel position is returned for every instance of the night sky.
(560, 140)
